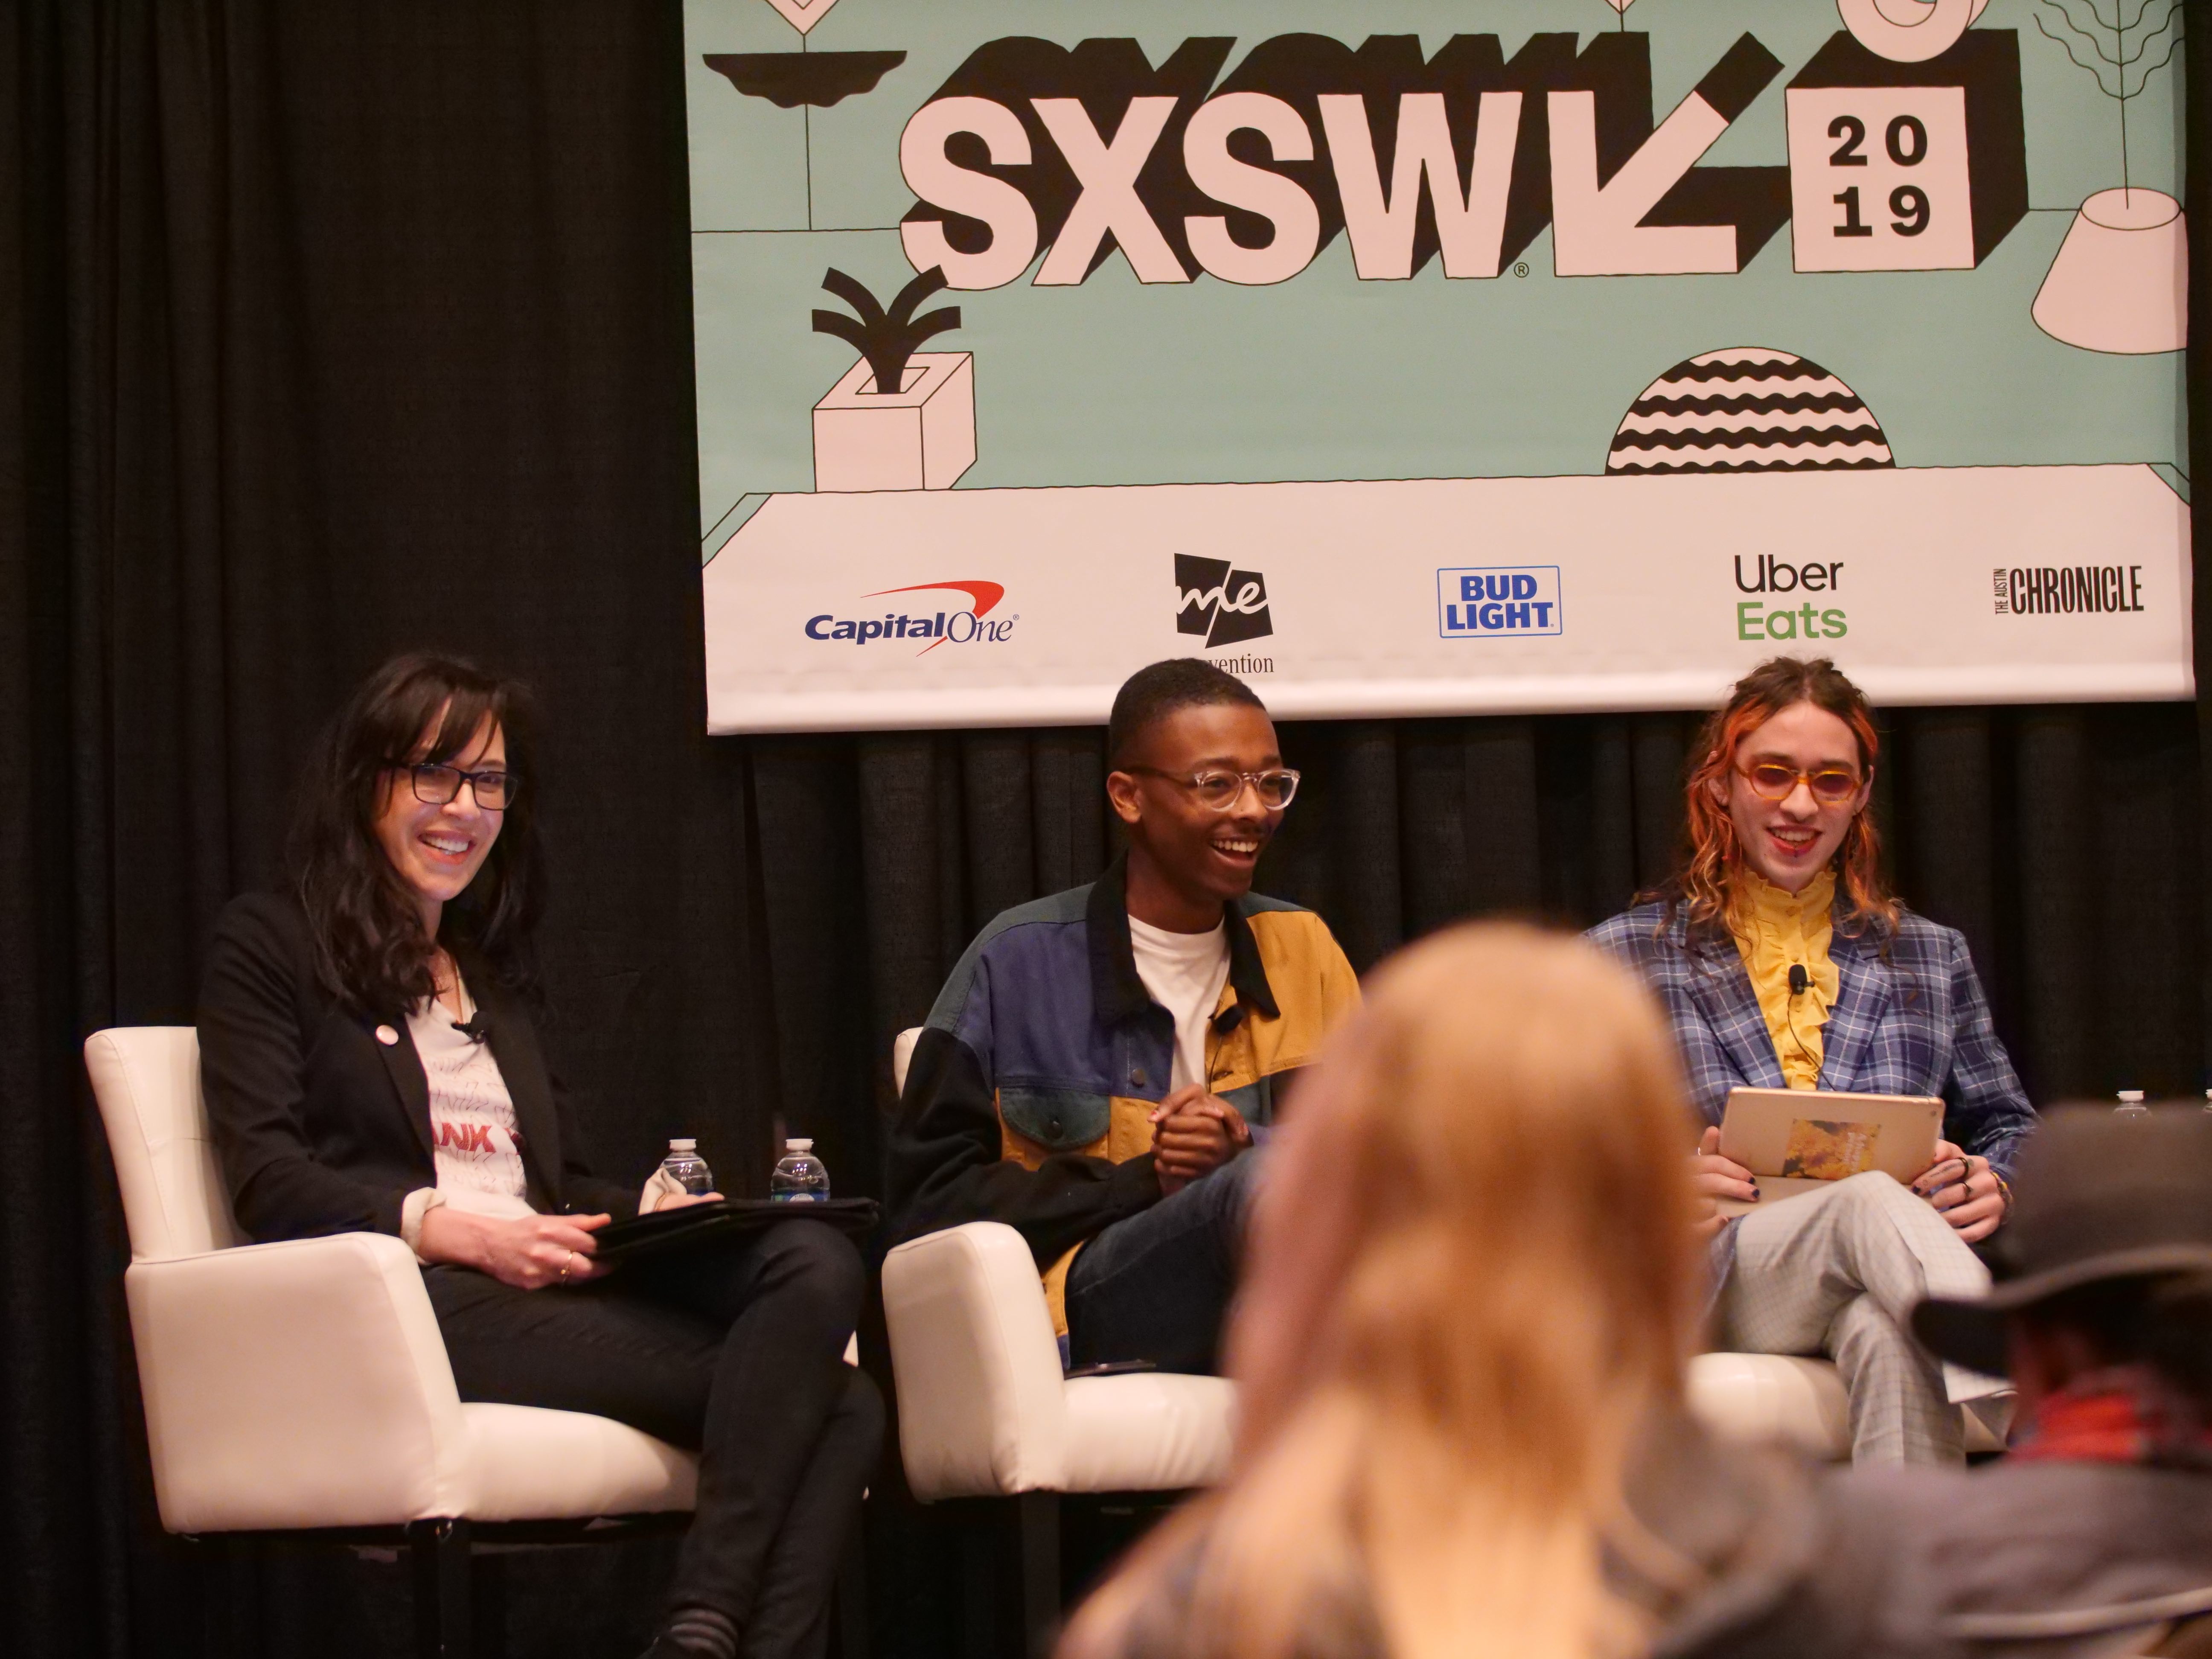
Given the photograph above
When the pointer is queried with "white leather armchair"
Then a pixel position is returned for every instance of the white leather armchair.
(984, 1411)
(304, 1385)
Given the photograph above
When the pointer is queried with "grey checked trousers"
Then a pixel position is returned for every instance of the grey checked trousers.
(1838, 1273)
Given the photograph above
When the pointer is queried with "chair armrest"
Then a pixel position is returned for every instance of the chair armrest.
(296, 1384)
(981, 1406)
(1774, 1398)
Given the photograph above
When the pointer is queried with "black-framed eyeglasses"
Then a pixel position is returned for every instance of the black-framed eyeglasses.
(435, 784)
(1223, 790)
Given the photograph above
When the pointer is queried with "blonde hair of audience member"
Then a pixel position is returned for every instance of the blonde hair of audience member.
(1472, 1275)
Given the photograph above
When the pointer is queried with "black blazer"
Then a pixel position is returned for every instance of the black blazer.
(320, 1127)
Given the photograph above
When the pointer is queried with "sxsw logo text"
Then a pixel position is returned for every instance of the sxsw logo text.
(1226, 606)
(971, 625)
(1496, 601)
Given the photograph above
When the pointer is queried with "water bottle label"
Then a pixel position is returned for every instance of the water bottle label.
(795, 1198)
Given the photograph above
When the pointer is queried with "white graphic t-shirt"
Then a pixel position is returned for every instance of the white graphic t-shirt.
(1185, 973)
(473, 1135)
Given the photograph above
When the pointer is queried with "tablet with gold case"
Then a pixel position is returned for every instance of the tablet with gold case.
(1797, 1140)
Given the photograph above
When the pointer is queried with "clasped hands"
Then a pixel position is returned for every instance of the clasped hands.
(1963, 1189)
(528, 1251)
(1193, 1134)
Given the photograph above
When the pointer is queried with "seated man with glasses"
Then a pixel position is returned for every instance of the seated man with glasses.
(1101, 1062)
(1782, 959)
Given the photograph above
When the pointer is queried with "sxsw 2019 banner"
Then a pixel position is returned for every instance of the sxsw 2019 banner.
(1434, 357)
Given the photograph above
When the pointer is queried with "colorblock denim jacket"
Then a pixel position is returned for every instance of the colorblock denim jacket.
(1029, 1093)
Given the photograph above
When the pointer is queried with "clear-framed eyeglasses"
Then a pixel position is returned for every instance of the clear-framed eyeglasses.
(1222, 790)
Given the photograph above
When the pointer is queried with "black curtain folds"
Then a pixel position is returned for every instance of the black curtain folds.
(330, 330)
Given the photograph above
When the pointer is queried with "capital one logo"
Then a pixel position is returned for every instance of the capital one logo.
(1226, 606)
(971, 626)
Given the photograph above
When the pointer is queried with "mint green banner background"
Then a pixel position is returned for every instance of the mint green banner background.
(1327, 377)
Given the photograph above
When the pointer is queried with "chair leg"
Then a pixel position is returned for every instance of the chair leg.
(488, 1605)
(438, 1551)
(1037, 1545)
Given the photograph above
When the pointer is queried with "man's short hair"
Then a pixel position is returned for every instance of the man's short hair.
(1151, 695)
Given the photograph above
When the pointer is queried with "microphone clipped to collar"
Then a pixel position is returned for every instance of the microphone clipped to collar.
(1800, 981)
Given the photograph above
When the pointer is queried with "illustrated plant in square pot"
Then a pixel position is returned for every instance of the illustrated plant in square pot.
(898, 419)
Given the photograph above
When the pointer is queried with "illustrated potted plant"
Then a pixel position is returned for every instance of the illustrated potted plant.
(898, 419)
(2121, 280)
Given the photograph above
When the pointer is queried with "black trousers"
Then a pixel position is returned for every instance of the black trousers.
(736, 1353)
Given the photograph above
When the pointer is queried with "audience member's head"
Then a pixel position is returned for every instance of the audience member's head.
(2104, 1272)
(1780, 779)
(1472, 1278)
(1197, 781)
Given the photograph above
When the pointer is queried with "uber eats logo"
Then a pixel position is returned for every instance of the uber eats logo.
(1794, 616)
(1226, 606)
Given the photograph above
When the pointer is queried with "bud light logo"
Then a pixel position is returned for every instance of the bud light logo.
(932, 625)
(1499, 602)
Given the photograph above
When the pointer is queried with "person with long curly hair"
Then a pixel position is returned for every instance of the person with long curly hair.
(1783, 959)
(1474, 1284)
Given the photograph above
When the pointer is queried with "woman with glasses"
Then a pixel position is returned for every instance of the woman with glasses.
(1782, 959)
(370, 1057)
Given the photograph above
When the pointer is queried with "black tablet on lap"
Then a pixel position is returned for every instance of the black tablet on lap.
(697, 1226)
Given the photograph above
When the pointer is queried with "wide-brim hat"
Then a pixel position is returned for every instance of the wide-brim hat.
(2099, 1194)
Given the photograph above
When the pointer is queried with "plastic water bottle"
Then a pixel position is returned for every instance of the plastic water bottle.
(798, 1177)
(687, 1169)
(2131, 1104)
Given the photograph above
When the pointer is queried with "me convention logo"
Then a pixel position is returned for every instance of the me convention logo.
(972, 626)
(1226, 606)
(1499, 601)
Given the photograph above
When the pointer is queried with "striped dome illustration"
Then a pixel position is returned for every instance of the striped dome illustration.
(1747, 408)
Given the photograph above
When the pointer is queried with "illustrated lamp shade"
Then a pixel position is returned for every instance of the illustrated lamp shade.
(2121, 280)
(1747, 408)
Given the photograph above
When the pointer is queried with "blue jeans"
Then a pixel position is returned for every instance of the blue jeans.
(1157, 1286)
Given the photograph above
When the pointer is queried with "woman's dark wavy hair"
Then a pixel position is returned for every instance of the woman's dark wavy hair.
(1703, 886)
(369, 947)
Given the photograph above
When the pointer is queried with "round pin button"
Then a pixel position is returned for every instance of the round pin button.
(387, 1036)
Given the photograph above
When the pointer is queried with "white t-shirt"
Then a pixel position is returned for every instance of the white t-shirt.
(1185, 973)
(473, 1135)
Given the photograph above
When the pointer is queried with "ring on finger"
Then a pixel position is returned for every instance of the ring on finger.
(567, 1262)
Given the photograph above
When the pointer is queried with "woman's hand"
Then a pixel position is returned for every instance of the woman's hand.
(1717, 1177)
(529, 1252)
(1964, 1191)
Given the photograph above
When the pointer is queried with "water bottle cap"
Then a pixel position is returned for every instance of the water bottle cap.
(798, 1145)
(2131, 1096)
(684, 1145)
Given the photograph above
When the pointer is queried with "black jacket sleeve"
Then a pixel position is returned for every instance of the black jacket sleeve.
(258, 1016)
(946, 1163)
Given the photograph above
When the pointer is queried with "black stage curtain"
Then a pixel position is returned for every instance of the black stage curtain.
(329, 330)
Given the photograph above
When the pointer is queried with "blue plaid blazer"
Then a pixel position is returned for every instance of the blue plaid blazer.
(1908, 1020)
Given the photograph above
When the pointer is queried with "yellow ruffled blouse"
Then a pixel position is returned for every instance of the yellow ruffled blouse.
(1782, 929)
